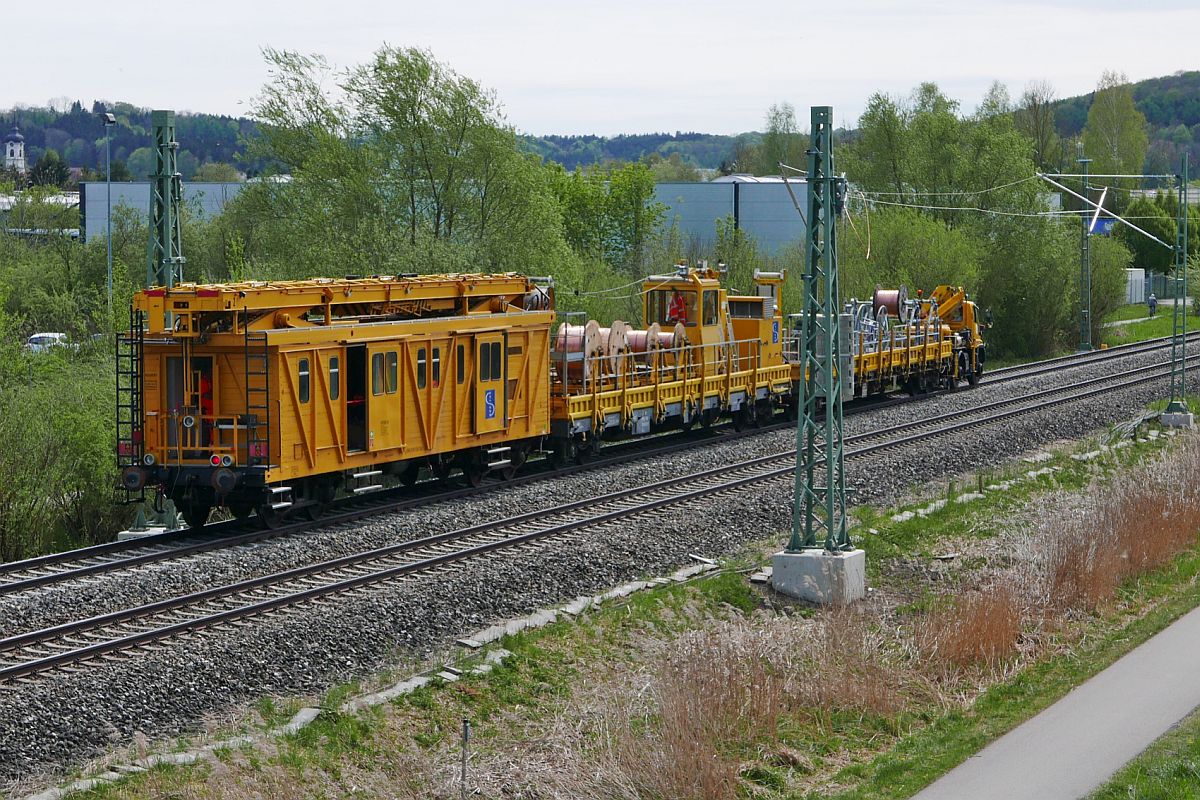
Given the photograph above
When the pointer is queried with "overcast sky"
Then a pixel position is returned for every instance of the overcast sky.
(600, 67)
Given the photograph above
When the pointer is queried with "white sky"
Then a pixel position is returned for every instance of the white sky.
(600, 67)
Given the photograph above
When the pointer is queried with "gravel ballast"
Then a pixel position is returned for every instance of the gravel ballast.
(61, 720)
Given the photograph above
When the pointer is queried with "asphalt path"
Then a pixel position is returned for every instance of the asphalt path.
(1075, 745)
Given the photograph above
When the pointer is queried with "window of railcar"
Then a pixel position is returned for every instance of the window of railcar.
(420, 367)
(392, 372)
(666, 310)
(497, 373)
(461, 358)
(305, 380)
(378, 377)
(335, 378)
(485, 364)
(710, 307)
(436, 363)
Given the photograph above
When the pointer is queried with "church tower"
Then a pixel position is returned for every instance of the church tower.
(14, 150)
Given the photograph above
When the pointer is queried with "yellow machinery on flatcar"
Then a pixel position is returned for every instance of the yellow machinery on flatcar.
(702, 354)
(272, 396)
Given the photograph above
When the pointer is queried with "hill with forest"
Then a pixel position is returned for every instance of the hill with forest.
(1171, 105)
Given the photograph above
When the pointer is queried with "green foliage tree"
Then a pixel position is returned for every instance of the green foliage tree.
(672, 169)
(879, 158)
(1152, 217)
(1115, 136)
(409, 168)
(781, 142)
(217, 172)
(50, 170)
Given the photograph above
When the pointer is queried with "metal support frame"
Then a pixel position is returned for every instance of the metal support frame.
(819, 515)
(1178, 401)
(1085, 268)
(164, 265)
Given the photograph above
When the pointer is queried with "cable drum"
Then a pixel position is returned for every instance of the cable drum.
(614, 344)
(585, 339)
(644, 345)
(894, 300)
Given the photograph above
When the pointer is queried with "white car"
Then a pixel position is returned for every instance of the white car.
(41, 342)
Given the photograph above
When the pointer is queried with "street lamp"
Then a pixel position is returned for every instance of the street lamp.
(109, 120)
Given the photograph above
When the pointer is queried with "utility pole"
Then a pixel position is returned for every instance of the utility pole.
(164, 265)
(819, 563)
(1085, 267)
(1177, 413)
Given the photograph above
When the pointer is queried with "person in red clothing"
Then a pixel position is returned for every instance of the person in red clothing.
(677, 309)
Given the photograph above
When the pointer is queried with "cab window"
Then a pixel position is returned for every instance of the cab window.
(668, 306)
(392, 371)
(378, 376)
(461, 364)
(305, 380)
(420, 367)
(335, 378)
(436, 366)
(710, 307)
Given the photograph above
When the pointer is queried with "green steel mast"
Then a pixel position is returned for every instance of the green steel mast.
(1178, 403)
(819, 515)
(164, 265)
(1085, 266)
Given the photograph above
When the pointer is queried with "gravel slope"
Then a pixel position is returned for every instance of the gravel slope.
(51, 723)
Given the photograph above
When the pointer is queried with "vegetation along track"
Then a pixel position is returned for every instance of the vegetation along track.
(72, 645)
(71, 565)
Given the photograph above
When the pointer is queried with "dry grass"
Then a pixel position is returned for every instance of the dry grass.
(1136, 524)
(981, 627)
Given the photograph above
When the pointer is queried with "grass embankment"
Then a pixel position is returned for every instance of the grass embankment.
(719, 689)
(1161, 324)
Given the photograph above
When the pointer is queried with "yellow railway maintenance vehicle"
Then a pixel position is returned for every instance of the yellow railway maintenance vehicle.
(271, 397)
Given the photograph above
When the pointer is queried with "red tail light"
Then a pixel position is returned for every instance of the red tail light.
(215, 460)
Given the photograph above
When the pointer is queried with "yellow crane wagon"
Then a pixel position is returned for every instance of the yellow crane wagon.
(272, 396)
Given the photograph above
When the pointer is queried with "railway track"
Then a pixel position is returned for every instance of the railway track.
(42, 571)
(77, 644)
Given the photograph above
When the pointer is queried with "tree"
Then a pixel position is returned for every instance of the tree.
(141, 163)
(1115, 136)
(672, 169)
(879, 159)
(782, 142)
(401, 165)
(1152, 218)
(217, 172)
(50, 170)
(1035, 118)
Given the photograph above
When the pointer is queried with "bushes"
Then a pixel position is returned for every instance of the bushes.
(57, 428)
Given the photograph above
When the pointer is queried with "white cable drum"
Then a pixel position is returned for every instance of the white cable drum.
(614, 342)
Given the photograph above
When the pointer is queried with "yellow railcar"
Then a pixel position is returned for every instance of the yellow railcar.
(273, 396)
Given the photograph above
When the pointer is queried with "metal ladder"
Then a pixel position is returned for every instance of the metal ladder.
(258, 399)
(130, 431)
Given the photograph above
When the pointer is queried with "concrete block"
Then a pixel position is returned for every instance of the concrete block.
(967, 497)
(821, 577)
(1178, 419)
(692, 571)
(1038, 457)
(903, 516)
(125, 536)
(576, 606)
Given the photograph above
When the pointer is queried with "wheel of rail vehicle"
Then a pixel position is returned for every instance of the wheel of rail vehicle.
(587, 450)
(195, 514)
(270, 518)
(517, 457)
(973, 376)
(473, 471)
(745, 417)
(411, 472)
